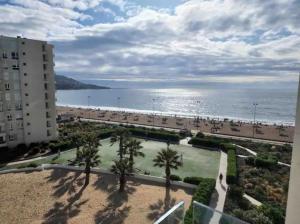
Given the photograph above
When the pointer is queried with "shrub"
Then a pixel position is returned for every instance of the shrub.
(202, 194)
(250, 161)
(105, 133)
(211, 143)
(231, 177)
(175, 177)
(200, 135)
(193, 180)
(227, 146)
(32, 165)
(155, 134)
(265, 162)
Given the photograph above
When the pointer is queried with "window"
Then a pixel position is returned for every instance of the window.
(28, 133)
(28, 123)
(25, 84)
(9, 117)
(44, 66)
(45, 76)
(46, 86)
(11, 128)
(48, 133)
(4, 55)
(14, 55)
(15, 67)
(7, 87)
(26, 94)
(44, 57)
(2, 139)
(11, 137)
(23, 42)
(18, 106)
(27, 104)
(1, 107)
(27, 114)
(24, 53)
(43, 47)
(46, 96)
(24, 63)
(47, 105)
(25, 74)
(48, 124)
(47, 114)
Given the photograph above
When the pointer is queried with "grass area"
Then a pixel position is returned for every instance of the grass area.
(196, 161)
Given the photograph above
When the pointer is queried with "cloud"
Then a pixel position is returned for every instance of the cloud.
(199, 39)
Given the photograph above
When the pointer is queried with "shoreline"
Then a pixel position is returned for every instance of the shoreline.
(272, 132)
(177, 114)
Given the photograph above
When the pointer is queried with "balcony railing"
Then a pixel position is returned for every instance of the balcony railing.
(202, 214)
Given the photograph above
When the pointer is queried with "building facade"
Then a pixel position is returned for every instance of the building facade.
(293, 203)
(27, 92)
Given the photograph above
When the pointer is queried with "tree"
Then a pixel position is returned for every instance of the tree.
(121, 135)
(88, 155)
(122, 169)
(134, 147)
(169, 159)
(77, 140)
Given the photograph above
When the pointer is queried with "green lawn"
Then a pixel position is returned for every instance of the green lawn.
(196, 161)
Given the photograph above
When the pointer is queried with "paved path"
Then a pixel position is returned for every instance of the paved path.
(252, 200)
(248, 150)
(218, 201)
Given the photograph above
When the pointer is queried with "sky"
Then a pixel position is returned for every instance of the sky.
(233, 41)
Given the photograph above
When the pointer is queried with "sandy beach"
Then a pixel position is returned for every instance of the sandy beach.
(223, 127)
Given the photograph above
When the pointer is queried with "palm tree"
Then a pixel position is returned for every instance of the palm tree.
(169, 159)
(88, 155)
(121, 135)
(134, 147)
(77, 140)
(121, 168)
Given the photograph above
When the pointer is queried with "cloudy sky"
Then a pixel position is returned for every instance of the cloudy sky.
(220, 40)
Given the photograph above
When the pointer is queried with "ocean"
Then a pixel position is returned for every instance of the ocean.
(275, 103)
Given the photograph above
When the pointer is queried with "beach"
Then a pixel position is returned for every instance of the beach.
(226, 127)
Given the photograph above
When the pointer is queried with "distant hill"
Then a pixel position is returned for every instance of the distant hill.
(66, 83)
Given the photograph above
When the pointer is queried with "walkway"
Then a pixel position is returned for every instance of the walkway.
(218, 201)
(252, 200)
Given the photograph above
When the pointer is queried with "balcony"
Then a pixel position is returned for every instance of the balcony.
(201, 214)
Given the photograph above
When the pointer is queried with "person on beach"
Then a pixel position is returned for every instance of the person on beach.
(221, 177)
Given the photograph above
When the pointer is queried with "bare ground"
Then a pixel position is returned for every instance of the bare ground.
(58, 196)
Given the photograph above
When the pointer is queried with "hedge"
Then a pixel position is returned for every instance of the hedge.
(202, 194)
(155, 134)
(105, 133)
(231, 176)
(175, 177)
(205, 142)
(193, 180)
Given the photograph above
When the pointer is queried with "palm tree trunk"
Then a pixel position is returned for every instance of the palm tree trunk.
(168, 174)
(87, 174)
(121, 147)
(131, 161)
(122, 182)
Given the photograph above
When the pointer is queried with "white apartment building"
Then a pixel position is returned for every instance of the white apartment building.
(27, 92)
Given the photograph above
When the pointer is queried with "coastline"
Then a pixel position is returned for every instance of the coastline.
(238, 128)
(177, 114)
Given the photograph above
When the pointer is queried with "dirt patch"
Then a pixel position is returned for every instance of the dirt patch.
(58, 196)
